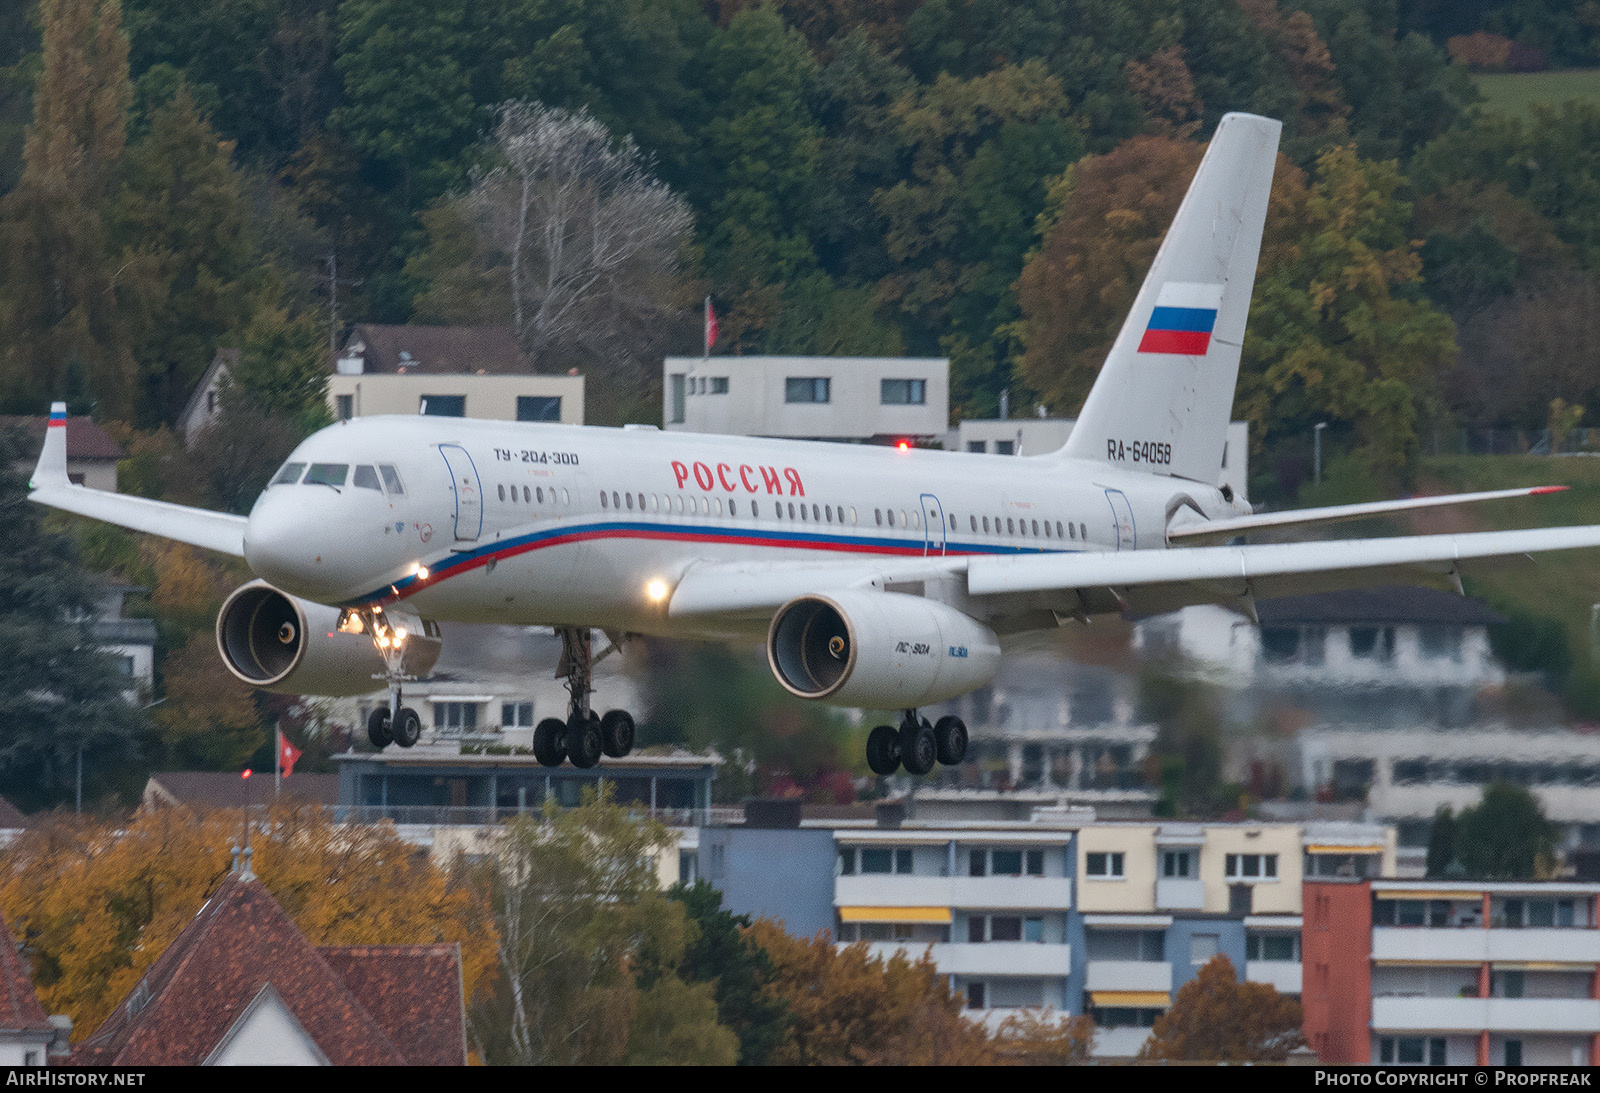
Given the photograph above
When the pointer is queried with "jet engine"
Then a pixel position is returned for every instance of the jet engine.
(279, 642)
(884, 650)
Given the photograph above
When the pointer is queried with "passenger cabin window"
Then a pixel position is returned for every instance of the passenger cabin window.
(367, 479)
(327, 474)
(391, 478)
(289, 475)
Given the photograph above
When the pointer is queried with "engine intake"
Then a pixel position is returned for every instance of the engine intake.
(885, 650)
(282, 643)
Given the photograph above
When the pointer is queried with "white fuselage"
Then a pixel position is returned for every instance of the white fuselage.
(542, 524)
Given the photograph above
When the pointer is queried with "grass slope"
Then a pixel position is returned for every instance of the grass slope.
(1516, 92)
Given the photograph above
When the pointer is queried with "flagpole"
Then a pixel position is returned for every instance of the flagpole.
(705, 326)
(277, 758)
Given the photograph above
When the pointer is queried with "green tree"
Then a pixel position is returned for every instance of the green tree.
(1505, 835)
(56, 306)
(1186, 761)
(1216, 1018)
(59, 694)
(723, 954)
(189, 273)
(578, 911)
(958, 229)
(1442, 842)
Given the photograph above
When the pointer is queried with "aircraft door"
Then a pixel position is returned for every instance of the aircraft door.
(933, 518)
(468, 493)
(1122, 516)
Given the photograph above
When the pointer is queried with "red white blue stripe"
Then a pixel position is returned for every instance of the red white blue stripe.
(1182, 320)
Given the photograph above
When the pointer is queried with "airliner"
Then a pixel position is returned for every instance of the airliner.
(877, 577)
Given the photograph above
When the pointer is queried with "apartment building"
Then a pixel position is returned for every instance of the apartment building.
(1059, 911)
(1452, 972)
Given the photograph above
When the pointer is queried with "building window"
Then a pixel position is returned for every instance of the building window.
(989, 928)
(903, 392)
(719, 385)
(806, 389)
(1006, 863)
(1372, 642)
(516, 715)
(677, 398)
(975, 996)
(125, 667)
(1005, 447)
(1202, 947)
(977, 445)
(1280, 644)
(1513, 1054)
(1178, 864)
(1252, 866)
(1123, 1017)
(1411, 1050)
(1276, 947)
(1141, 945)
(454, 717)
(444, 405)
(1103, 864)
(874, 859)
(346, 406)
(538, 407)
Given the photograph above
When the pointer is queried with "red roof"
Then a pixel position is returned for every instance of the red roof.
(414, 991)
(85, 439)
(439, 350)
(241, 942)
(19, 1005)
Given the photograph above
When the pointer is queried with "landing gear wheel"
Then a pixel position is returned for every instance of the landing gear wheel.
(407, 727)
(584, 744)
(883, 750)
(616, 733)
(950, 734)
(918, 751)
(378, 727)
(549, 742)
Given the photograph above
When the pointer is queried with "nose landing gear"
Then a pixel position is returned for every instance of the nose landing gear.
(394, 723)
(916, 745)
(584, 736)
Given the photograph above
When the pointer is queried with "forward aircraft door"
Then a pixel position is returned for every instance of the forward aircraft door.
(468, 493)
(1122, 516)
(933, 523)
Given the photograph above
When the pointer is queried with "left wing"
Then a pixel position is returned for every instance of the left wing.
(219, 531)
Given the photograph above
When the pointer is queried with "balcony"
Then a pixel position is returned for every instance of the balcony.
(1025, 958)
(1129, 975)
(1280, 975)
(1561, 945)
(1414, 1014)
(1180, 895)
(987, 893)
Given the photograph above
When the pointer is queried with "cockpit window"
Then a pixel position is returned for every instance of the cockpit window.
(289, 475)
(367, 478)
(391, 478)
(327, 474)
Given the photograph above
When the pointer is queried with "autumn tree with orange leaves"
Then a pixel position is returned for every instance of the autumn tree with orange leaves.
(94, 905)
(1216, 1018)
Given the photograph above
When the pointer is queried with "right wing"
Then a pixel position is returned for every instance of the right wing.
(218, 531)
(1201, 532)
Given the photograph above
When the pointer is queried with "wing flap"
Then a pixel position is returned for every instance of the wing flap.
(217, 531)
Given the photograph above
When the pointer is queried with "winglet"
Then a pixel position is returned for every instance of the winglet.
(52, 468)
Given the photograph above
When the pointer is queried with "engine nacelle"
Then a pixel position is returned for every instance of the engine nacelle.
(279, 642)
(884, 650)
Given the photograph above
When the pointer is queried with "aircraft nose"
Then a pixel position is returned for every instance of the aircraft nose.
(292, 543)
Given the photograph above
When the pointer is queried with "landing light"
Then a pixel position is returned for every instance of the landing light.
(399, 634)
(420, 572)
(656, 590)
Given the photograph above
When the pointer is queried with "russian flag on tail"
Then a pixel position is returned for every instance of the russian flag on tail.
(1181, 323)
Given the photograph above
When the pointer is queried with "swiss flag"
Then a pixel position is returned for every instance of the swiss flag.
(711, 326)
(287, 755)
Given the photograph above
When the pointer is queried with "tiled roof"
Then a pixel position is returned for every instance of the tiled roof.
(85, 439)
(440, 350)
(414, 992)
(1392, 604)
(206, 979)
(222, 789)
(19, 1005)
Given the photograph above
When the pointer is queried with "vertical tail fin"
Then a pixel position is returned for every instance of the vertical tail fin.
(1163, 398)
(52, 467)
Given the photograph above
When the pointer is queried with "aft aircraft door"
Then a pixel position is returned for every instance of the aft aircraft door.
(933, 523)
(466, 490)
(1122, 516)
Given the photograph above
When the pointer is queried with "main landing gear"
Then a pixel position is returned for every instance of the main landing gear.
(394, 723)
(584, 736)
(916, 745)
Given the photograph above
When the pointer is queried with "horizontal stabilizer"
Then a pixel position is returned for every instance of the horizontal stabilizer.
(1216, 531)
(217, 531)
